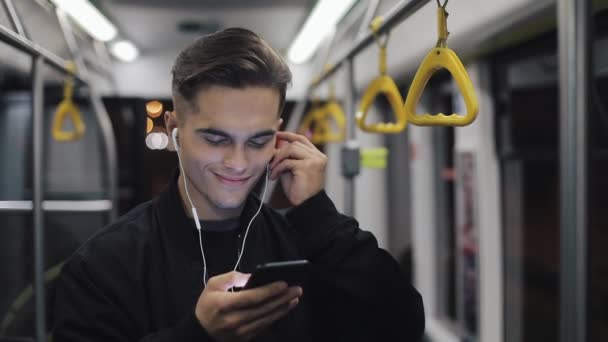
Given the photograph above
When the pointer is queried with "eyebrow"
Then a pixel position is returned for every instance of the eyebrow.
(214, 131)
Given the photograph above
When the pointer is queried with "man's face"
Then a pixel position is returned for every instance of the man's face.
(227, 144)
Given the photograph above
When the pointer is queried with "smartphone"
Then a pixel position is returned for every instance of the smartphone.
(294, 273)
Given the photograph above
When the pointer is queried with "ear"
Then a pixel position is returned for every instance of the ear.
(171, 123)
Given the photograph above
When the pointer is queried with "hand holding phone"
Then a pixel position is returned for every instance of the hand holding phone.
(294, 273)
(240, 316)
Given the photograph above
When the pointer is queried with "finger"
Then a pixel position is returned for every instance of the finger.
(285, 166)
(292, 151)
(268, 307)
(254, 297)
(255, 327)
(228, 280)
(293, 137)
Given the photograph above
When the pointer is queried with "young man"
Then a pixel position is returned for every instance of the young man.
(155, 276)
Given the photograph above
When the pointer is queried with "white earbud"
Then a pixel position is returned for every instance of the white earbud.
(194, 212)
(174, 136)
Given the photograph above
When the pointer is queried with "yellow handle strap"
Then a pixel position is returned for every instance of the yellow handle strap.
(386, 86)
(313, 128)
(441, 57)
(332, 110)
(442, 26)
(381, 85)
(67, 109)
(317, 127)
(375, 27)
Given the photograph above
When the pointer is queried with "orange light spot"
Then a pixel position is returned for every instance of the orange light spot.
(154, 108)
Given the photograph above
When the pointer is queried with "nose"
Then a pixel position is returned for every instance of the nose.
(236, 159)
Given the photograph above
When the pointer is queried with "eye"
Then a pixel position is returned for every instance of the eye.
(259, 142)
(214, 139)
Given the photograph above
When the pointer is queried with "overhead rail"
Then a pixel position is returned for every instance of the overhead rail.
(440, 57)
(13, 17)
(398, 13)
(395, 16)
(23, 44)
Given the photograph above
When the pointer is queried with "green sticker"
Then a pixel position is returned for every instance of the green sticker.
(374, 158)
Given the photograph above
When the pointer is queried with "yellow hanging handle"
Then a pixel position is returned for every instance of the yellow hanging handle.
(441, 57)
(317, 127)
(66, 109)
(383, 84)
(333, 111)
(308, 126)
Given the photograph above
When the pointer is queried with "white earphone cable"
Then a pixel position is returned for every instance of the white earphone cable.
(195, 213)
(251, 221)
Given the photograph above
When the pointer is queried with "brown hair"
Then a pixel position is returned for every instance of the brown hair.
(234, 57)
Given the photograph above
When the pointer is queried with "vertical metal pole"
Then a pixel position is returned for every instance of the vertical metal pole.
(37, 136)
(574, 69)
(351, 95)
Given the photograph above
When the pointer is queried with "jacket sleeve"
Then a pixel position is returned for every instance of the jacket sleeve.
(86, 311)
(364, 294)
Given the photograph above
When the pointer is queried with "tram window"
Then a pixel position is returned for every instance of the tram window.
(64, 233)
(42, 26)
(527, 101)
(528, 118)
(15, 125)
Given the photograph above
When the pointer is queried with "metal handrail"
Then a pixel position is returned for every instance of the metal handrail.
(101, 205)
(395, 16)
(574, 51)
(38, 188)
(23, 44)
(14, 18)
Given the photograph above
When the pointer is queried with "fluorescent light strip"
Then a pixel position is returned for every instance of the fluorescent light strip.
(89, 18)
(323, 19)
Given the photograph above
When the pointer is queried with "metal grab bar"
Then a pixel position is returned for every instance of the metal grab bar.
(23, 44)
(58, 206)
(402, 10)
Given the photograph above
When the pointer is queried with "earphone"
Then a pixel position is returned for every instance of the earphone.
(195, 213)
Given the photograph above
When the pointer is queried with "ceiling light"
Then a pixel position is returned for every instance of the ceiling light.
(89, 18)
(124, 50)
(322, 20)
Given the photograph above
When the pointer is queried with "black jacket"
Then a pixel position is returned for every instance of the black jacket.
(139, 278)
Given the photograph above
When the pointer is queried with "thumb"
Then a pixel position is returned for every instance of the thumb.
(228, 280)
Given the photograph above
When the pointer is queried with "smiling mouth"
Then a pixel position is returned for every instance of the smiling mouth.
(233, 181)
